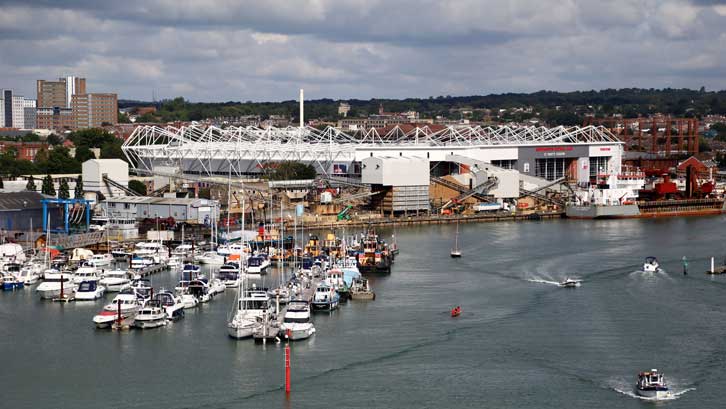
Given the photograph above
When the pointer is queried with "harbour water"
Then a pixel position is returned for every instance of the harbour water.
(521, 341)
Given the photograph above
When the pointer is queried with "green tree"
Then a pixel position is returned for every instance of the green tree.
(78, 191)
(291, 170)
(30, 186)
(703, 145)
(123, 118)
(137, 186)
(54, 139)
(64, 190)
(720, 129)
(83, 153)
(47, 188)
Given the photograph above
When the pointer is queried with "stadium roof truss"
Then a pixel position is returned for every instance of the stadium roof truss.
(254, 146)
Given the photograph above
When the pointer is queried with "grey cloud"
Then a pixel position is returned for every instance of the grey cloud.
(232, 50)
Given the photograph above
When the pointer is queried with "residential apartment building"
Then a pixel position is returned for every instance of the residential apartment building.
(12, 111)
(59, 93)
(25, 150)
(55, 118)
(94, 110)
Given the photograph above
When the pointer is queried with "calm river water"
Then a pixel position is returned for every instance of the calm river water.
(521, 341)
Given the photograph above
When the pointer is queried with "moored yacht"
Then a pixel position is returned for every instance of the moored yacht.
(124, 306)
(651, 384)
(296, 324)
(325, 298)
(115, 280)
(54, 283)
(257, 264)
(229, 274)
(211, 257)
(85, 273)
(89, 290)
(171, 303)
(30, 273)
(151, 315)
(101, 260)
(250, 305)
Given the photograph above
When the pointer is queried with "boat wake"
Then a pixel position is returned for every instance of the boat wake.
(542, 281)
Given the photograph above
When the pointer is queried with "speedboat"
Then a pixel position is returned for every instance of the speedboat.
(216, 286)
(171, 303)
(651, 265)
(652, 385)
(89, 290)
(85, 273)
(211, 257)
(54, 283)
(325, 298)
(101, 260)
(257, 264)
(115, 280)
(151, 315)
(296, 324)
(570, 283)
(124, 306)
(250, 306)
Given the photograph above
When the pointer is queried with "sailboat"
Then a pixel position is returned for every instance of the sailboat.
(456, 252)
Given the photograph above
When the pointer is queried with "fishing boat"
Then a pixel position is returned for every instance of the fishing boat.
(456, 311)
(115, 280)
(55, 283)
(89, 290)
(651, 265)
(335, 279)
(456, 252)
(374, 256)
(151, 315)
(123, 306)
(570, 283)
(360, 290)
(296, 324)
(325, 298)
(651, 384)
(171, 303)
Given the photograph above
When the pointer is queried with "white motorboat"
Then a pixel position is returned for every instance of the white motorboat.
(140, 262)
(54, 281)
(257, 264)
(89, 290)
(189, 300)
(150, 248)
(142, 288)
(12, 253)
(325, 298)
(124, 306)
(200, 290)
(151, 315)
(101, 260)
(229, 274)
(234, 248)
(281, 294)
(250, 305)
(10, 282)
(570, 283)
(211, 257)
(171, 303)
(216, 286)
(115, 280)
(79, 255)
(175, 262)
(651, 265)
(651, 384)
(30, 273)
(184, 251)
(296, 324)
(85, 273)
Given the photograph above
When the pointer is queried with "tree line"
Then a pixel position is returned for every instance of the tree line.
(552, 105)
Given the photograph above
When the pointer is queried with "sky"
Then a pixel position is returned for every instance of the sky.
(240, 50)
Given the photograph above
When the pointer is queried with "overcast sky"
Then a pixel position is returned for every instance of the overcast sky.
(265, 50)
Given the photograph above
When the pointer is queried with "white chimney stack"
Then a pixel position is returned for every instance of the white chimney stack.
(302, 110)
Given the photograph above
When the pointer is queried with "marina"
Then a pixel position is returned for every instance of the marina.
(511, 323)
